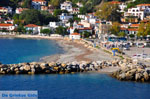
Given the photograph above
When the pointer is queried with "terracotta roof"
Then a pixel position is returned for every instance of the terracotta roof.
(86, 28)
(98, 22)
(115, 2)
(135, 25)
(145, 21)
(2, 8)
(5, 25)
(132, 29)
(75, 33)
(123, 28)
(143, 5)
(80, 24)
(38, 1)
(129, 29)
(31, 25)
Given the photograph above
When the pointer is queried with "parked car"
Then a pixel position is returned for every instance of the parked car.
(140, 45)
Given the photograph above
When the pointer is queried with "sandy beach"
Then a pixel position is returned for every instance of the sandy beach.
(74, 50)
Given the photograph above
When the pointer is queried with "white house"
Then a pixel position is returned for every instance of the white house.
(75, 11)
(79, 4)
(9, 21)
(70, 30)
(66, 6)
(8, 27)
(122, 7)
(140, 11)
(87, 29)
(85, 23)
(81, 16)
(65, 17)
(129, 31)
(6, 10)
(56, 24)
(135, 12)
(36, 4)
(35, 29)
(20, 10)
(75, 36)
(145, 8)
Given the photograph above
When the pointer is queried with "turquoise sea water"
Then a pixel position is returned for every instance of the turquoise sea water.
(26, 50)
(69, 86)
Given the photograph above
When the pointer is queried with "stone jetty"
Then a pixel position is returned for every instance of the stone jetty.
(54, 68)
(129, 70)
(134, 72)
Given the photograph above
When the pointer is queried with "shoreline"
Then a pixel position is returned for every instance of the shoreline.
(80, 57)
(73, 50)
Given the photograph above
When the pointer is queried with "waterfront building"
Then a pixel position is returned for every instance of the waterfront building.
(33, 29)
(75, 36)
(5, 26)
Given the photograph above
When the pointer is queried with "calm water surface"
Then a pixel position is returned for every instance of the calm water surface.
(26, 50)
(76, 86)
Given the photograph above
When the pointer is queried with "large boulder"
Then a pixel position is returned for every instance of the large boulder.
(27, 68)
(146, 76)
(138, 76)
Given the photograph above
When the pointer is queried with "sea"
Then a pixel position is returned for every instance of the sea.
(56, 86)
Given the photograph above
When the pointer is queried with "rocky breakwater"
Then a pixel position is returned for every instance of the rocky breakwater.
(133, 72)
(53, 68)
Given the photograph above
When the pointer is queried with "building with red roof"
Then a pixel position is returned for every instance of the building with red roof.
(8, 27)
(75, 36)
(20, 10)
(34, 29)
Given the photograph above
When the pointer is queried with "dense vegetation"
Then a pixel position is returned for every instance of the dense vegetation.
(37, 17)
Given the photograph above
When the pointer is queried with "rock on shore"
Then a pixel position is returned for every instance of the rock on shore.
(53, 68)
(138, 73)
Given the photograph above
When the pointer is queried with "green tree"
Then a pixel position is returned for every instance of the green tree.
(21, 29)
(83, 10)
(115, 29)
(46, 31)
(147, 31)
(34, 18)
(85, 34)
(141, 30)
(122, 34)
(131, 35)
(61, 30)
(14, 3)
(26, 4)
(55, 3)
(109, 11)
(57, 12)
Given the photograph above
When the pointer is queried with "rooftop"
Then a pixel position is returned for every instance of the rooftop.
(38, 1)
(143, 5)
(31, 25)
(5, 25)
(75, 33)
